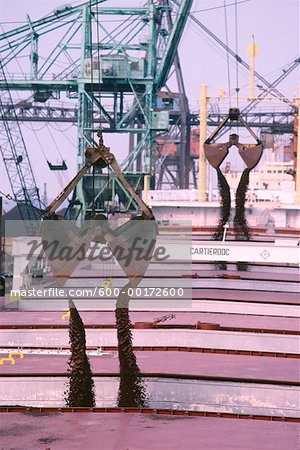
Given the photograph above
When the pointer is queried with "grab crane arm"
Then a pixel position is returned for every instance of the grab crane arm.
(99, 156)
(216, 152)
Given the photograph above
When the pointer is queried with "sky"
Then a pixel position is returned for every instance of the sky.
(274, 24)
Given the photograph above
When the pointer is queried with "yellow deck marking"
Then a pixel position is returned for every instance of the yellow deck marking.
(65, 316)
(11, 359)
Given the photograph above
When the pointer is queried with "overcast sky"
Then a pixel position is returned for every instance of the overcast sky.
(274, 23)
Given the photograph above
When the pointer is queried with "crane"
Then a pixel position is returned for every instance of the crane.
(125, 56)
(18, 167)
(120, 59)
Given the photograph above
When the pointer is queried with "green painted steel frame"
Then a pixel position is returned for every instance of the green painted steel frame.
(142, 91)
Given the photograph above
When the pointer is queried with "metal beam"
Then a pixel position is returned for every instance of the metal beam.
(275, 83)
(173, 42)
(54, 17)
(283, 121)
(236, 56)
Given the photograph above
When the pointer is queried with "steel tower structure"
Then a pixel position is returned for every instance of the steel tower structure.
(113, 62)
(17, 163)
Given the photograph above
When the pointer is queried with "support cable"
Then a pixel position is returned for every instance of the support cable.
(31, 127)
(227, 53)
(54, 142)
(92, 104)
(100, 111)
(99, 65)
(91, 57)
(236, 52)
(238, 58)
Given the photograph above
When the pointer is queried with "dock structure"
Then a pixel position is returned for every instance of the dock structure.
(226, 357)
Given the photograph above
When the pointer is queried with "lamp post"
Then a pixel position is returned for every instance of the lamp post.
(202, 139)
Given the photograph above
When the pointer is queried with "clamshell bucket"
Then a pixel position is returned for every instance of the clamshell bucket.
(251, 154)
(132, 245)
(215, 153)
(66, 245)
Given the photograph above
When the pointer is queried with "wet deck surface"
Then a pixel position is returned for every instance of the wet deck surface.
(239, 367)
(262, 289)
(107, 318)
(247, 295)
(249, 275)
(187, 339)
(199, 271)
(135, 431)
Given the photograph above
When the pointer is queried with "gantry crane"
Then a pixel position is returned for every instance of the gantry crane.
(17, 163)
(114, 63)
(125, 64)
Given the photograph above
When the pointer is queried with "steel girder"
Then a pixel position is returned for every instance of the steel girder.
(60, 67)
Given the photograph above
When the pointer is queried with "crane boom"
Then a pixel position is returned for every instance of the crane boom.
(173, 41)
